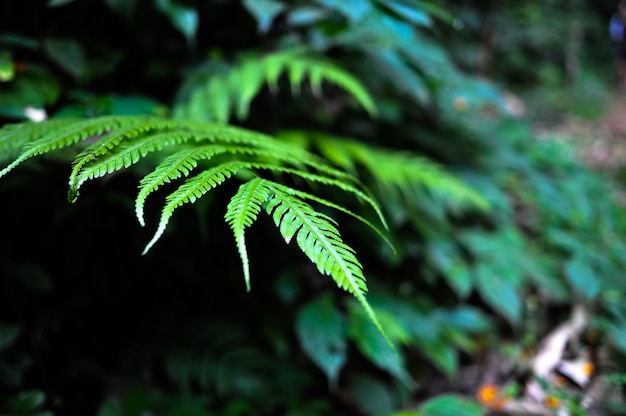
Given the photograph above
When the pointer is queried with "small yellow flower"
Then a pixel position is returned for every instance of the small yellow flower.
(489, 395)
(552, 402)
(588, 369)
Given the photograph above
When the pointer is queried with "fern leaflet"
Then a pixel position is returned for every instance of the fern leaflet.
(124, 156)
(397, 170)
(236, 89)
(242, 211)
(321, 242)
(173, 167)
(322, 201)
(61, 135)
(191, 190)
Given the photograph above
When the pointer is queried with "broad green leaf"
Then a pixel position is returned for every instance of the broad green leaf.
(68, 54)
(264, 11)
(582, 278)
(445, 256)
(442, 354)
(466, 318)
(459, 278)
(8, 335)
(185, 19)
(374, 346)
(499, 293)
(408, 12)
(322, 334)
(372, 396)
(111, 407)
(303, 16)
(449, 405)
(354, 10)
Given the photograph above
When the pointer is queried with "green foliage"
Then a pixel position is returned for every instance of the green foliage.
(322, 334)
(350, 113)
(233, 91)
(123, 141)
(446, 405)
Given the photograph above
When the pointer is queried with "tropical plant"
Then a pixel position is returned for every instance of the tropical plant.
(331, 118)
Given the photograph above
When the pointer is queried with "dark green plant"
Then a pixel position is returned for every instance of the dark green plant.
(351, 117)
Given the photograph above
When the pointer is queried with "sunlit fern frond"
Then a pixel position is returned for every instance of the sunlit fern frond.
(232, 92)
(56, 136)
(243, 209)
(318, 237)
(191, 190)
(308, 196)
(394, 170)
(16, 135)
(213, 153)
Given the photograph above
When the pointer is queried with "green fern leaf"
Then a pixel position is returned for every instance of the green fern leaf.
(397, 170)
(296, 71)
(14, 136)
(343, 79)
(191, 190)
(244, 81)
(341, 184)
(321, 242)
(123, 156)
(242, 211)
(173, 167)
(322, 201)
(121, 141)
(58, 135)
(181, 163)
(137, 128)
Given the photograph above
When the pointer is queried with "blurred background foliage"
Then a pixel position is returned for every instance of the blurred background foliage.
(90, 327)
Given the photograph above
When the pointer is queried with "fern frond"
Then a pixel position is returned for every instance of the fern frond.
(321, 242)
(181, 163)
(322, 201)
(242, 211)
(397, 170)
(14, 136)
(125, 155)
(191, 190)
(235, 90)
(121, 141)
(173, 167)
(58, 135)
(324, 180)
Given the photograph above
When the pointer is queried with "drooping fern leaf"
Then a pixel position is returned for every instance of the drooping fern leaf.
(242, 211)
(171, 168)
(124, 156)
(234, 90)
(394, 170)
(14, 136)
(176, 148)
(319, 239)
(191, 190)
(308, 196)
(57, 136)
